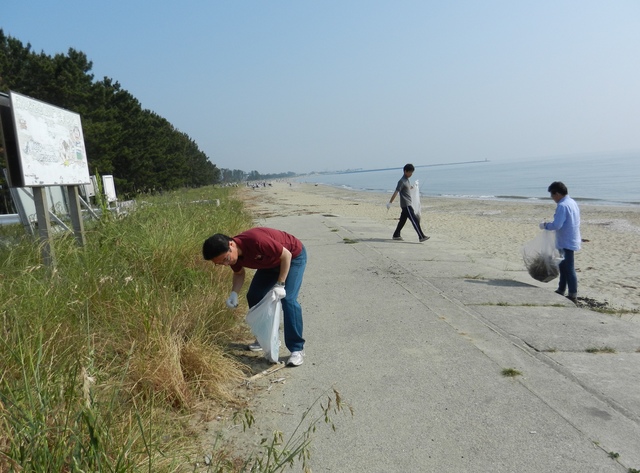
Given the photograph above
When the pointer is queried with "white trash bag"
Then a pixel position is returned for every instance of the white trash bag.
(264, 321)
(415, 199)
(541, 257)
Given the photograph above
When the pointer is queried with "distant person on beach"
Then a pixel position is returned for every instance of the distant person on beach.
(566, 223)
(404, 189)
(280, 260)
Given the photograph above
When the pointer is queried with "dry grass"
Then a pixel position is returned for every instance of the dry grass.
(542, 268)
(103, 355)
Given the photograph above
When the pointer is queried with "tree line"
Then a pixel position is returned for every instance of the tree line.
(142, 150)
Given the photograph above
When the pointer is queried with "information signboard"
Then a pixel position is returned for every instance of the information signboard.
(50, 144)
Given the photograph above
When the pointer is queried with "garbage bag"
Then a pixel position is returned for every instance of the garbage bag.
(541, 257)
(264, 321)
(415, 199)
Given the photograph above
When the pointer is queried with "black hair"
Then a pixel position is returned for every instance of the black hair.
(558, 187)
(408, 167)
(215, 245)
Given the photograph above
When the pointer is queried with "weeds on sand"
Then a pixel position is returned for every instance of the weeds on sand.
(277, 453)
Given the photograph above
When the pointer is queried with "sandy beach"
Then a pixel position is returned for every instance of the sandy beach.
(452, 356)
(608, 265)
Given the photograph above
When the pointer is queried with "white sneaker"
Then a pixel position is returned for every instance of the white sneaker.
(255, 346)
(296, 358)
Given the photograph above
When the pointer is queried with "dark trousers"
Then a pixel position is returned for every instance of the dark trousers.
(408, 213)
(568, 276)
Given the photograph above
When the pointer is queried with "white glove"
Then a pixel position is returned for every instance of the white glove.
(279, 292)
(232, 302)
(542, 225)
(388, 205)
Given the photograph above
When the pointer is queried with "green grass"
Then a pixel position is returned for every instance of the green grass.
(600, 350)
(511, 372)
(102, 355)
(524, 304)
(105, 357)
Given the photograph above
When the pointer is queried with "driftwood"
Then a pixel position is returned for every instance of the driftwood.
(267, 372)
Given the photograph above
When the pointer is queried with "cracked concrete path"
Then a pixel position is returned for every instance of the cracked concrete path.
(415, 338)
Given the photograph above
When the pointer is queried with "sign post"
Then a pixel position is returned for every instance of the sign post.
(44, 225)
(75, 212)
(45, 147)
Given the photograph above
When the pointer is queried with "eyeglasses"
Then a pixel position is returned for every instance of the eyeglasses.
(224, 261)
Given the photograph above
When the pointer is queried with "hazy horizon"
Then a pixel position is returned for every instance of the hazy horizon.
(325, 86)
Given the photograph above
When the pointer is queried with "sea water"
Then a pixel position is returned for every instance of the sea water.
(605, 179)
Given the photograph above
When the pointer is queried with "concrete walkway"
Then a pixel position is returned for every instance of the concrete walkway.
(415, 338)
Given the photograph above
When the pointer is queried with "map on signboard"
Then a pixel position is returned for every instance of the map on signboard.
(50, 143)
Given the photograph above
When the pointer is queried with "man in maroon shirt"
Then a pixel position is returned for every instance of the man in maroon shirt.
(280, 260)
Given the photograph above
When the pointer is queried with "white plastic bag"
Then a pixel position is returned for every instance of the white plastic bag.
(541, 257)
(264, 321)
(415, 199)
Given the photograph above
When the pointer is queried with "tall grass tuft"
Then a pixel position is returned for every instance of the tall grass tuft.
(101, 354)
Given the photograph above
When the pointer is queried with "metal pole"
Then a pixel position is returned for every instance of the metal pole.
(76, 214)
(44, 225)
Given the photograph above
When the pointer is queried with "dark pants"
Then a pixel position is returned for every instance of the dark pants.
(568, 276)
(408, 213)
(264, 280)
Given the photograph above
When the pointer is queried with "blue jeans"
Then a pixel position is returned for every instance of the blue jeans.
(568, 276)
(264, 280)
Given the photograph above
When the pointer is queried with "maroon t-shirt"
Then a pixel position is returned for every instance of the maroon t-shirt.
(261, 248)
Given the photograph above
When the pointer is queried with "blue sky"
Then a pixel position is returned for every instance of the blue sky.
(302, 86)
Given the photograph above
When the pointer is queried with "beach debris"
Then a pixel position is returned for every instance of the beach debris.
(542, 268)
(267, 372)
(541, 257)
